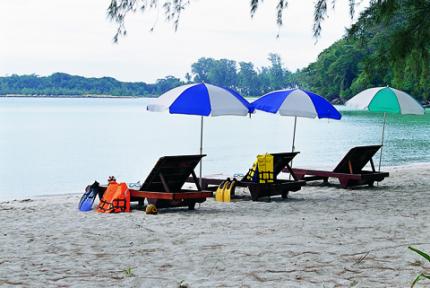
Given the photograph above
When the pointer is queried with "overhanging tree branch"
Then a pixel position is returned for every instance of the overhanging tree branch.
(119, 9)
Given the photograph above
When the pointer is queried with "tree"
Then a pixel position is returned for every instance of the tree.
(397, 35)
(188, 77)
(219, 72)
(248, 81)
(223, 73)
(276, 73)
(393, 33)
(167, 83)
(201, 68)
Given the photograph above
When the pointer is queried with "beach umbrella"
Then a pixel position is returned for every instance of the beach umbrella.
(201, 99)
(386, 100)
(296, 103)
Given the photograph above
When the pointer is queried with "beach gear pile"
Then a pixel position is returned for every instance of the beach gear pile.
(115, 199)
(262, 172)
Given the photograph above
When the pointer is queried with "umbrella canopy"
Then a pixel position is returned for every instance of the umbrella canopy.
(203, 100)
(386, 100)
(296, 103)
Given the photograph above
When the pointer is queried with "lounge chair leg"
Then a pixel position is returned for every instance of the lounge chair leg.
(372, 184)
(191, 206)
(141, 204)
(284, 195)
(325, 180)
(343, 182)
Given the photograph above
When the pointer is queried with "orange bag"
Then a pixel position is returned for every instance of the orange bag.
(116, 199)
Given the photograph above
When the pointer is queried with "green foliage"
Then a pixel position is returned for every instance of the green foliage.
(381, 49)
(65, 84)
(395, 35)
(335, 71)
(422, 275)
(128, 272)
(388, 45)
(247, 80)
(243, 77)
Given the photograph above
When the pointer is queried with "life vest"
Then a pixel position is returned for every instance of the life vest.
(253, 172)
(262, 170)
(265, 168)
(116, 199)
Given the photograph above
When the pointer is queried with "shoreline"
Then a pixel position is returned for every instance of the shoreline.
(415, 165)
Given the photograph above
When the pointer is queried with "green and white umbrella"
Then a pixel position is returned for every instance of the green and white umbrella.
(386, 100)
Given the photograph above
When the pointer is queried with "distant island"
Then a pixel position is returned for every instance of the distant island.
(65, 85)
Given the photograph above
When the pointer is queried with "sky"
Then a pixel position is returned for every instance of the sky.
(75, 37)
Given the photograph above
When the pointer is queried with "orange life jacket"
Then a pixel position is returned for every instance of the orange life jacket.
(116, 199)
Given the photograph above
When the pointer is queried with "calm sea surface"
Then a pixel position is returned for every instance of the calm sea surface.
(56, 146)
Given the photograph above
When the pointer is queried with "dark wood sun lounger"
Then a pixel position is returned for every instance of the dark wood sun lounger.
(281, 187)
(163, 186)
(349, 171)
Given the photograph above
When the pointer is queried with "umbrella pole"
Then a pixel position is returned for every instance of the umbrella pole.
(201, 150)
(382, 141)
(294, 135)
(294, 141)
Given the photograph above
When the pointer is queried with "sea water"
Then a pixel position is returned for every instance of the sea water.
(59, 145)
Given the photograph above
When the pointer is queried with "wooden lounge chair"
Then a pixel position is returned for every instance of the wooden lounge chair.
(278, 187)
(349, 171)
(163, 186)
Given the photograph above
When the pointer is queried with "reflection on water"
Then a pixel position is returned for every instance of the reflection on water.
(54, 146)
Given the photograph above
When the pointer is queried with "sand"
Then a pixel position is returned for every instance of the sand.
(319, 237)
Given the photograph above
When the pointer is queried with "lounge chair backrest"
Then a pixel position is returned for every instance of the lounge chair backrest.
(356, 159)
(175, 171)
(280, 160)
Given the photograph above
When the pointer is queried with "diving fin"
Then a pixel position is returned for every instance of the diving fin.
(219, 191)
(87, 200)
(226, 196)
(229, 190)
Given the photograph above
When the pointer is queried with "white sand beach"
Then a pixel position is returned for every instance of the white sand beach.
(319, 237)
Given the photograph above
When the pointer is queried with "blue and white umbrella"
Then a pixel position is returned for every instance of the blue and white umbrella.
(296, 103)
(203, 100)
